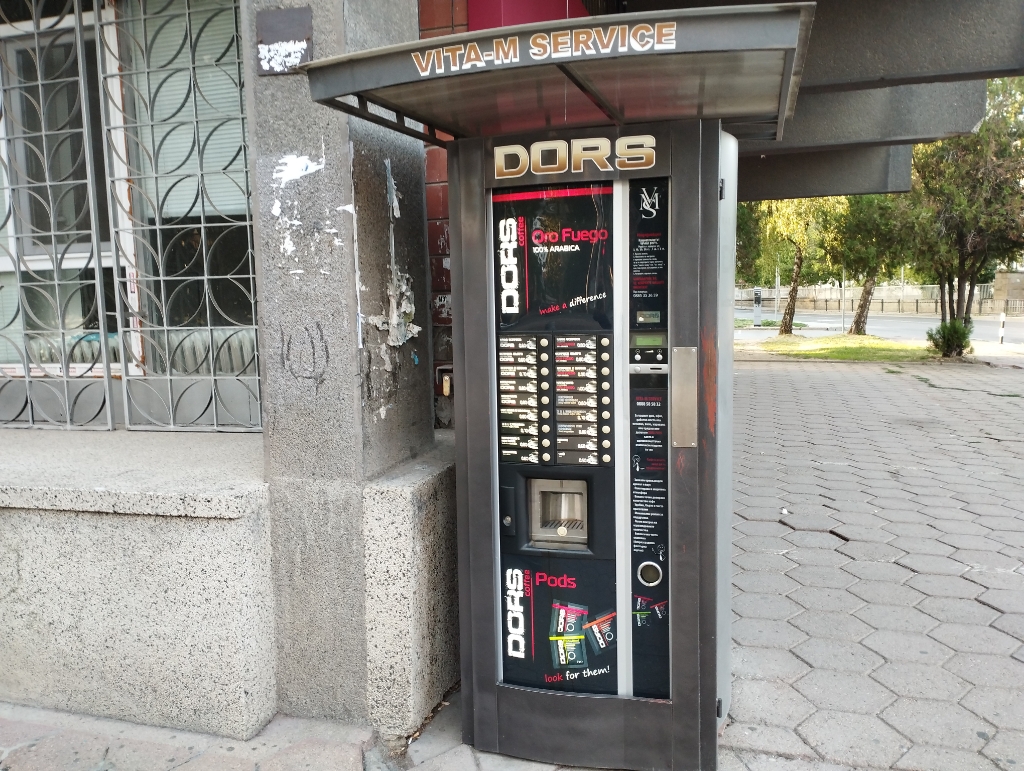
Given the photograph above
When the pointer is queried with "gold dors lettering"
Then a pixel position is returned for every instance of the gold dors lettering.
(556, 156)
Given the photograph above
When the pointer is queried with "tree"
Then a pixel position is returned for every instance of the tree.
(795, 225)
(870, 237)
(972, 184)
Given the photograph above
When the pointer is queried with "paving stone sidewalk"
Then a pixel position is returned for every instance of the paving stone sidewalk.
(878, 587)
(879, 596)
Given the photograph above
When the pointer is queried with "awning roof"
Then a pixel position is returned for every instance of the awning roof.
(741, 64)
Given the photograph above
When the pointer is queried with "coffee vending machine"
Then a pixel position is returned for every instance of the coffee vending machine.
(593, 275)
(592, 168)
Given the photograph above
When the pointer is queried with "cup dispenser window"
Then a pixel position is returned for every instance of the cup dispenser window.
(558, 514)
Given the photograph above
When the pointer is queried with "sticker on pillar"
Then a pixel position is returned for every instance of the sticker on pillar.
(553, 251)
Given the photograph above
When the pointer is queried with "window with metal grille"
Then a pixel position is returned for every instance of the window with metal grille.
(126, 265)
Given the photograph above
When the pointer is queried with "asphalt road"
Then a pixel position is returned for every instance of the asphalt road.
(890, 325)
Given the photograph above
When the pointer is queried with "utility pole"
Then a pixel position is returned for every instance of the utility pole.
(842, 296)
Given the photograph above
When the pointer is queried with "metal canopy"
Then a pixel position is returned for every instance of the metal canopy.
(741, 64)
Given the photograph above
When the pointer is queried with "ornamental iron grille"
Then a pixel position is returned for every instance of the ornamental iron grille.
(55, 353)
(173, 221)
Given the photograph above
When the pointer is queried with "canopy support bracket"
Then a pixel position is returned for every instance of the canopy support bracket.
(600, 102)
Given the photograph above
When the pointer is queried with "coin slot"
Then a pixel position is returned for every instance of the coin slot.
(649, 574)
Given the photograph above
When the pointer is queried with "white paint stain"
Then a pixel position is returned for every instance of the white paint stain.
(281, 56)
(292, 167)
(276, 208)
(287, 246)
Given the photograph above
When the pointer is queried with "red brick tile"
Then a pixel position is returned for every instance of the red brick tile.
(460, 28)
(459, 12)
(437, 238)
(435, 13)
(437, 165)
(427, 33)
(437, 202)
(440, 274)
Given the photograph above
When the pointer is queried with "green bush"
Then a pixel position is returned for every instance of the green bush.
(951, 338)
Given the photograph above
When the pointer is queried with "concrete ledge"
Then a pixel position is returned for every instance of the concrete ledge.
(148, 619)
(125, 472)
(412, 611)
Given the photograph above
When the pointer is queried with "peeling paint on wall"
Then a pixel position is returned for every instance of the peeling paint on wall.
(291, 167)
(397, 322)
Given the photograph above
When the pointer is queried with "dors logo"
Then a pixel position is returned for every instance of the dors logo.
(556, 156)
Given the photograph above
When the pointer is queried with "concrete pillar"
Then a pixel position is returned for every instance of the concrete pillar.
(344, 341)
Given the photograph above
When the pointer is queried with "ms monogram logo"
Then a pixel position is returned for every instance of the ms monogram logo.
(649, 204)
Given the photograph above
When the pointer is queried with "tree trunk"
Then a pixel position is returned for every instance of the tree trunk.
(950, 296)
(942, 298)
(786, 327)
(860, 318)
(961, 289)
(970, 298)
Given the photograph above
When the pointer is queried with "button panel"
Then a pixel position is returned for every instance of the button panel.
(554, 399)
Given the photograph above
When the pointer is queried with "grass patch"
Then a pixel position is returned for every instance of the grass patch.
(749, 323)
(848, 348)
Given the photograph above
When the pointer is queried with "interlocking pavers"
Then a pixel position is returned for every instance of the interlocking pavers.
(945, 586)
(871, 552)
(1012, 624)
(822, 575)
(766, 664)
(970, 638)
(921, 681)
(857, 740)
(919, 545)
(803, 555)
(1004, 601)
(820, 598)
(912, 529)
(844, 691)
(773, 606)
(814, 540)
(768, 702)
(766, 583)
(878, 571)
(996, 579)
(907, 646)
(938, 723)
(762, 528)
(925, 758)
(897, 618)
(765, 543)
(839, 655)
(817, 522)
(993, 542)
(891, 487)
(959, 526)
(1002, 707)
(766, 562)
(985, 560)
(766, 633)
(773, 739)
(885, 593)
(861, 533)
(982, 669)
(933, 564)
(836, 626)
(1007, 750)
(956, 611)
